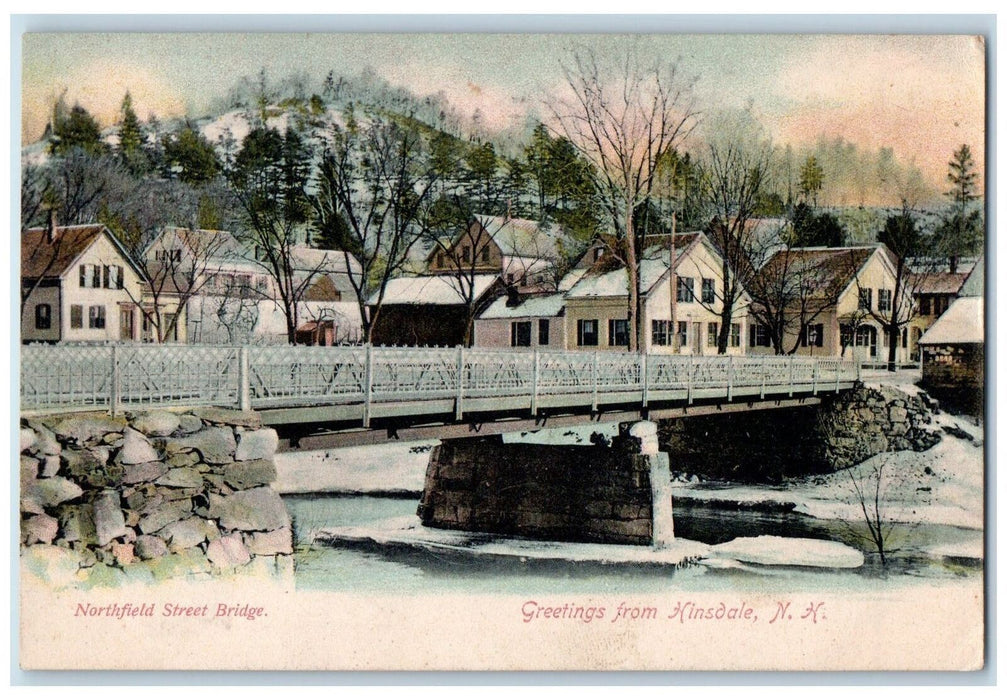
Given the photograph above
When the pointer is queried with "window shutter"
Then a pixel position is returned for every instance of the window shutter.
(751, 335)
(819, 332)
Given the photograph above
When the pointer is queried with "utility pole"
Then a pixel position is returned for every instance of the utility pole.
(671, 278)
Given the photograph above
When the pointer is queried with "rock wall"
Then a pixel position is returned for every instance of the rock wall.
(151, 496)
(771, 445)
(592, 493)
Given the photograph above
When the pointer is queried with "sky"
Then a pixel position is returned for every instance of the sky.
(922, 96)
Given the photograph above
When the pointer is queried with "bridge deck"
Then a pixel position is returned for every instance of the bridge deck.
(364, 386)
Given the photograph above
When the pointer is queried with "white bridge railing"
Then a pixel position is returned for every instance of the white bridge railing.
(120, 377)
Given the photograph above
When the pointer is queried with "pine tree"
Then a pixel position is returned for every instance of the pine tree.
(76, 129)
(961, 228)
(131, 137)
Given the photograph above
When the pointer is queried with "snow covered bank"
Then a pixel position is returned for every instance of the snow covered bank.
(769, 550)
(394, 467)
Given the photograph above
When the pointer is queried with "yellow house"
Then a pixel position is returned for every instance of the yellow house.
(845, 299)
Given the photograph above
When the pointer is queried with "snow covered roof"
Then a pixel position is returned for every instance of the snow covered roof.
(538, 306)
(654, 266)
(441, 290)
(522, 237)
(961, 323)
(306, 258)
(975, 283)
(571, 278)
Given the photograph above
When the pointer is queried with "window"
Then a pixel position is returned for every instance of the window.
(112, 278)
(598, 253)
(812, 335)
(543, 331)
(660, 332)
(618, 332)
(905, 337)
(587, 331)
(96, 317)
(709, 294)
(846, 335)
(735, 335)
(485, 254)
(711, 333)
(683, 333)
(43, 316)
(865, 299)
(758, 336)
(76, 316)
(864, 336)
(924, 305)
(884, 300)
(466, 252)
(169, 255)
(440, 260)
(520, 334)
(90, 276)
(685, 289)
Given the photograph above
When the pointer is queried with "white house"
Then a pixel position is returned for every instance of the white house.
(78, 284)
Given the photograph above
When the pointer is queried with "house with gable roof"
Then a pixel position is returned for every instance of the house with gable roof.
(595, 309)
(78, 284)
(835, 313)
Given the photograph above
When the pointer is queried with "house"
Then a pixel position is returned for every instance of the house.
(841, 297)
(522, 252)
(953, 354)
(230, 297)
(535, 321)
(596, 305)
(430, 309)
(79, 284)
(934, 290)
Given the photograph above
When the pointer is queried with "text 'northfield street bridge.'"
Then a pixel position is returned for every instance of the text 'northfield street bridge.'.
(369, 394)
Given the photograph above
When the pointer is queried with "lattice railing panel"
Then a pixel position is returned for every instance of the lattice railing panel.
(414, 373)
(618, 371)
(498, 373)
(178, 375)
(565, 372)
(323, 374)
(57, 377)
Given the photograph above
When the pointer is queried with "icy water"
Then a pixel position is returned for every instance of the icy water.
(404, 571)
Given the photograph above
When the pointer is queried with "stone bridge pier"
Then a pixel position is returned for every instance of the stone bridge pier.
(617, 492)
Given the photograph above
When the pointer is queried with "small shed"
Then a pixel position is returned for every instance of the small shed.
(954, 350)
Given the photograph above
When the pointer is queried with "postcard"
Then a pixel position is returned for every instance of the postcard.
(526, 351)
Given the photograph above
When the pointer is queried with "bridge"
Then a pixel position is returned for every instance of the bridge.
(365, 394)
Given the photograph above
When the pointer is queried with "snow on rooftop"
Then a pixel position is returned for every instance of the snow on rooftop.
(539, 306)
(961, 323)
(433, 289)
(615, 283)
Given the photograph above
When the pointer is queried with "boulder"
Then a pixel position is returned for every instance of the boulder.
(149, 547)
(163, 514)
(123, 553)
(50, 466)
(77, 523)
(256, 444)
(29, 470)
(228, 552)
(254, 509)
(187, 533)
(243, 475)
(91, 466)
(109, 521)
(52, 492)
(156, 423)
(215, 445)
(188, 423)
(27, 439)
(897, 414)
(86, 428)
(136, 448)
(183, 459)
(184, 477)
(45, 440)
(39, 529)
(270, 543)
(224, 416)
(146, 471)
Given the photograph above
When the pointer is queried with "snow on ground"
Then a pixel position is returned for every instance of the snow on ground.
(770, 550)
(391, 467)
(408, 532)
(943, 485)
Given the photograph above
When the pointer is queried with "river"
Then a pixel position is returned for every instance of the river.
(401, 571)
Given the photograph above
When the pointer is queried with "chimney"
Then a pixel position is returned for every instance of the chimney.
(53, 225)
(953, 264)
(508, 209)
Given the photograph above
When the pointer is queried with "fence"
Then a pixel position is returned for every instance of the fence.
(120, 377)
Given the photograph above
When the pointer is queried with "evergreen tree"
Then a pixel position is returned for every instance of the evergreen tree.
(76, 129)
(811, 177)
(131, 138)
(961, 229)
(190, 157)
(811, 229)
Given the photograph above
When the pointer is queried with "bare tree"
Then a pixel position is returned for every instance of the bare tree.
(732, 178)
(374, 184)
(886, 499)
(624, 115)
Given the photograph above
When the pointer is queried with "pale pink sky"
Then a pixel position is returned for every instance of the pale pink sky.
(923, 96)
